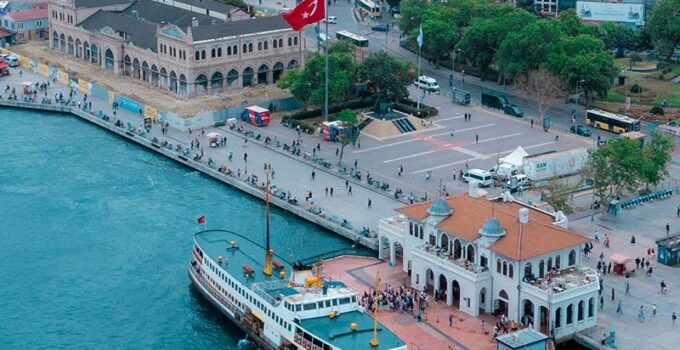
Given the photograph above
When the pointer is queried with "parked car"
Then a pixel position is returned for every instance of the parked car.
(483, 178)
(494, 100)
(580, 130)
(382, 27)
(517, 183)
(427, 83)
(513, 110)
(12, 61)
(332, 20)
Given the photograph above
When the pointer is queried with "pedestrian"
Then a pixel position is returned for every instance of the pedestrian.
(677, 212)
(356, 163)
(641, 314)
(609, 267)
(369, 203)
(331, 191)
(483, 326)
(674, 317)
(326, 189)
(346, 184)
(476, 138)
(627, 288)
(613, 294)
(597, 236)
(313, 175)
(653, 309)
(337, 151)
(450, 320)
(632, 239)
(668, 228)
(532, 122)
(557, 138)
(601, 302)
(349, 191)
(637, 263)
(454, 174)
(619, 308)
(245, 157)
(663, 287)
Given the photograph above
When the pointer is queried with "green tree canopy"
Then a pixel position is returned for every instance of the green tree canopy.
(664, 26)
(656, 155)
(388, 76)
(349, 120)
(570, 23)
(526, 49)
(439, 35)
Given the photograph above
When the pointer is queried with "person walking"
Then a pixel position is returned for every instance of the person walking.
(663, 287)
(349, 191)
(653, 309)
(627, 288)
(674, 317)
(476, 138)
(619, 308)
(601, 302)
(331, 191)
(668, 228)
(346, 184)
(613, 294)
(370, 203)
(641, 314)
(245, 157)
(450, 320)
(313, 175)
(532, 123)
(326, 189)
(597, 236)
(356, 163)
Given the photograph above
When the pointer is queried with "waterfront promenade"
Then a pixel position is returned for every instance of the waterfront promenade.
(291, 173)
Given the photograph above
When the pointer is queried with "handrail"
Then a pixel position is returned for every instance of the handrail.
(336, 253)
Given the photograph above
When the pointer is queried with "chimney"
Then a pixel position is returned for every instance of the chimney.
(194, 22)
(524, 216)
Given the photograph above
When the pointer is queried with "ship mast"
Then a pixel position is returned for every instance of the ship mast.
(374, 340)
(268, 254)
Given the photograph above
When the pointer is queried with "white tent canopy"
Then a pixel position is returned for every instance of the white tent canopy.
(516, 157)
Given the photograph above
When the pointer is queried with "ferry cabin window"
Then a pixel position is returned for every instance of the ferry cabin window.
(344, 301)
(298, 307)
(311, 306)
(327, 303)
(354, 299)
(320, 305)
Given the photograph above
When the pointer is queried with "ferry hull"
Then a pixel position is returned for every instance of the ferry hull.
(206, 294)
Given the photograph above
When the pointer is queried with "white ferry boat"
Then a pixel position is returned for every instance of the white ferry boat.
(304, 311)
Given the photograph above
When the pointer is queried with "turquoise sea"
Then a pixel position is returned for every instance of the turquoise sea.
(96, 235)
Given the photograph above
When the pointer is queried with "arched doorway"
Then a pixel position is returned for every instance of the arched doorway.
(136, 69)
(444, 242)
(262, 73)
(154, 75)
(127, 66)
(232, 78)
(86, 51)
(527, 312)
(79, 48)
(541, 268)
(145, 71)
(201, 84)
(293, 64)
(71, 50)
(248, 76)
(545, 320)
(277, 71)
(457, 249)
(108, 59)
(216, 81)
(482, 301)
(470, 253)
(455, 294)
(500, 306)
(173, 81)
(384, 248)
(182, 84)
(429, 281)
(164, 78)
(62, 42)
(443, 288)
(94, 54)
(55, 40)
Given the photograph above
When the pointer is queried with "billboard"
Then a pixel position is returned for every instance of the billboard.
(611, 12)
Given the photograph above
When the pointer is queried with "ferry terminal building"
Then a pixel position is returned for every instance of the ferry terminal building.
(499, 256)
(190, 47)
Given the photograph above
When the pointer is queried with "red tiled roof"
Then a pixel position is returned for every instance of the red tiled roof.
(539, 236)
(29, 15)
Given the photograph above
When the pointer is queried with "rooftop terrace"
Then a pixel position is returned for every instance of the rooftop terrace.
(570, 278)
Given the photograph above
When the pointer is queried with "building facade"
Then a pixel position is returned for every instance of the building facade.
(498, 257)
(190, 47)
(27, 25)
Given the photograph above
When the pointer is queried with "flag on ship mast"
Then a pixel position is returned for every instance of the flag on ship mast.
(201, 219)
(307, 12)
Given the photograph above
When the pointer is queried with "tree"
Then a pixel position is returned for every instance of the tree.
(526, 49)
(540, 87)
(439, 36)
(570, 23)
(557, 194)
(613, 168)
(664, 26)
(349, 121)
(656, 156)
(388, 76)
(307, 84)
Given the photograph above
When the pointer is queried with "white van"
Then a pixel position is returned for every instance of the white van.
(481, 176)
(517, 182)
(427, 83)
(12, 61)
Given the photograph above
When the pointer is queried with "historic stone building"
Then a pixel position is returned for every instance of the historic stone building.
(498, 256)
(187, 46)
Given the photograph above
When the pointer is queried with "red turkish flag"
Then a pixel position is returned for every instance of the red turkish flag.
(201, 219)
(307, 12)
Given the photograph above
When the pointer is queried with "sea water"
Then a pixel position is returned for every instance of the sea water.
(96, 236)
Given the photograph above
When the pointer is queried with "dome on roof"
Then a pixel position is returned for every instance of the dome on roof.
(492, 228)
(439, 207)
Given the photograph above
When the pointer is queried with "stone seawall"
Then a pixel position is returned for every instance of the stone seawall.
(227, 179)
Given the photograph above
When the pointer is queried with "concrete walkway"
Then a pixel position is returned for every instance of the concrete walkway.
(291, 173)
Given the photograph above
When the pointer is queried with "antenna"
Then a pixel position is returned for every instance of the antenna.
(268, 254)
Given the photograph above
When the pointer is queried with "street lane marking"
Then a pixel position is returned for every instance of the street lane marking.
(422, 137)
(457, 148)
(452, 118)
(470, 152)
(442, 166)
(500, 137)
(408, 156)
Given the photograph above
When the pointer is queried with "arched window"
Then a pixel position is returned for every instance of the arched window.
(250, 47)
(259, 46)
(550, 263)
(202, 54)
(457, 249)
(295, 41)
(245, 48)
(228, 50)
(197, 55)
(444, 242)
(470, 253)
(212, 53)
(290, 41)
(581, 307)
(541, 267)
(510, 271)
(572, 258)
(219, 52)
(280, 42)
(498, 265)
(421, 231)
(557, 262)
(410, 228)
(235, 50)
(527, 270)
(558, 317)
(570, 314)
(505, 268)
(266, 43)
(591, 307)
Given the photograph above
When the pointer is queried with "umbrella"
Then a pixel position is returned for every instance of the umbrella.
(620, 259)
(27, 83)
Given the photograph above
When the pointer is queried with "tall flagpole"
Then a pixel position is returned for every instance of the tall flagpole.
(325, 95)
(420, 45)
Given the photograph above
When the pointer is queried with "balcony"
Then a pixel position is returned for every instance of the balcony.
(461, 266)
(564, 284)
(395, 226)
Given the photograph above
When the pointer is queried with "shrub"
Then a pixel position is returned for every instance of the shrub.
(656, 110)
(350, 104)
(409, 107)
(636, 89)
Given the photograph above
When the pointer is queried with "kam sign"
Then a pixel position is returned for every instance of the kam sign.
(611, 12)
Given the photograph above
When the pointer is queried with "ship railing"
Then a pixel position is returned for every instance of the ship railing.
(215, 293)
(262, 289)
(337, 253)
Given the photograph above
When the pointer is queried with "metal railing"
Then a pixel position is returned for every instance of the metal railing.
(338, 252)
